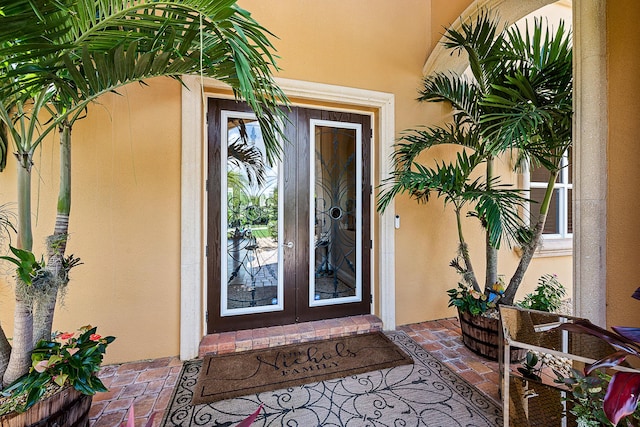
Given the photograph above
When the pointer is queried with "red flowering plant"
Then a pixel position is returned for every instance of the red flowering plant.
(69, 358)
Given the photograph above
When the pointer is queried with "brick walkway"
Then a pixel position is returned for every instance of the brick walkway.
(148, 384)
(442, 339)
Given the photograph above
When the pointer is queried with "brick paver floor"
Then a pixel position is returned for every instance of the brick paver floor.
(442, 339)
(148, 384)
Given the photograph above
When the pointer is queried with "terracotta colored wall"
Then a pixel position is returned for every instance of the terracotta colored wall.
(623, 230)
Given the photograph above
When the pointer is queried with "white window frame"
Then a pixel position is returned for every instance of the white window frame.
(556, 244)
(357, 127)
(225, 311)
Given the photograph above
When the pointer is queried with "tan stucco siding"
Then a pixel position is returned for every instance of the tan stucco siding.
(124, 220)
(623, 197)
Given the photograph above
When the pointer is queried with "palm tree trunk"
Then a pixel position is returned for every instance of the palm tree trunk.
(491, 274)
(469, 274)
(56, 243)
(530, 248)
(5, 353)
(25, 234)
(20, 359)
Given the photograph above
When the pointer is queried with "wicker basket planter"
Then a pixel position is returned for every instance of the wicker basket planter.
(68, 408)
(480, 335)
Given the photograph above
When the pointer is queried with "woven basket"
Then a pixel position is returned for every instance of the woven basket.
(480, 335)
(68, 408)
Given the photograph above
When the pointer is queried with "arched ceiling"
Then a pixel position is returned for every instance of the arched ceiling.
(509, 11)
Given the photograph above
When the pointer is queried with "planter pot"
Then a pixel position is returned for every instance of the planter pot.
(67, 408)
(480, 335)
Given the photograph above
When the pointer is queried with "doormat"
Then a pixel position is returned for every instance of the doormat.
(226, 376)
(425, 393)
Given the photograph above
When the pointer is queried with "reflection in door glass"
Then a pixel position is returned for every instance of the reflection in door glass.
(337, 222)
(252, 250)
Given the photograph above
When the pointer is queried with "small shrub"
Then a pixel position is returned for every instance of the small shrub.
(547, 296)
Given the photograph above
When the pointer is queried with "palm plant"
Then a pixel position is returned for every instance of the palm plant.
(61, 56)
(517, 100)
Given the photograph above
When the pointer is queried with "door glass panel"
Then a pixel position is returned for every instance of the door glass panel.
(251, 276)
(336, 223)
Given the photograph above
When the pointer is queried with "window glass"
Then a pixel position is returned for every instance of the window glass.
(559, 223)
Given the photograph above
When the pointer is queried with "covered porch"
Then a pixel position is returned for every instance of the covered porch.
(148, 385)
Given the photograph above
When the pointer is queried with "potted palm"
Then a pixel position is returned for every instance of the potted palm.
(517, 101)
(57, 58)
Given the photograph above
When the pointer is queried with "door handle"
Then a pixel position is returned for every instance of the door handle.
(288, 244)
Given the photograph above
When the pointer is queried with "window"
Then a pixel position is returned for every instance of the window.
(558, 229)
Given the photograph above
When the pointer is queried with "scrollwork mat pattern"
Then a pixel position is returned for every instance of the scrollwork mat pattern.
(426, 393)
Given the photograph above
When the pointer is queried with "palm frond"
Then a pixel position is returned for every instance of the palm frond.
(462, 93)
(532, 108)
(447, 180)
(482, 40)
(131, 41)
(414, 142)
(498, 207)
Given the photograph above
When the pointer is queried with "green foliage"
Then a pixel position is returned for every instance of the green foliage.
(246, 157)
(586, 397)
(68, 359)
(468, 300)
(623, 388)
(547, 295)
(529, 368)
(27, 265)
(79, 54)
(517, 99)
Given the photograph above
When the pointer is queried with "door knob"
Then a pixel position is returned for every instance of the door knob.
(288, 244)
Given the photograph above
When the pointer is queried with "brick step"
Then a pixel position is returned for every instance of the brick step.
(229, 342)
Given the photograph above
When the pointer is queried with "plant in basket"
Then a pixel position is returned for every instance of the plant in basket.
(68, 359)
(469, 300)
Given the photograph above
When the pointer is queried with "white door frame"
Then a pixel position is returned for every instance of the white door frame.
(193, 195)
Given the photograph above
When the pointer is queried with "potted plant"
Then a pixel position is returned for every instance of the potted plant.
(69, 362)
(597, 397)
(57, 58)
(517, 102)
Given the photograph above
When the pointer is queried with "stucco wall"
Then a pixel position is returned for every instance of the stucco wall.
(623, 204)
(366, 49)
(125, 221)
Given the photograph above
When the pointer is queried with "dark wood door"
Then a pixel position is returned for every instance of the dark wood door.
(289, 242)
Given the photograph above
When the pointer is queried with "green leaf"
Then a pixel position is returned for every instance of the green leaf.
(13, 260)
(54, 359)
(61, 379)
(33, 397)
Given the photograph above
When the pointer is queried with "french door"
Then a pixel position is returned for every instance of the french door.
(288, 242)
